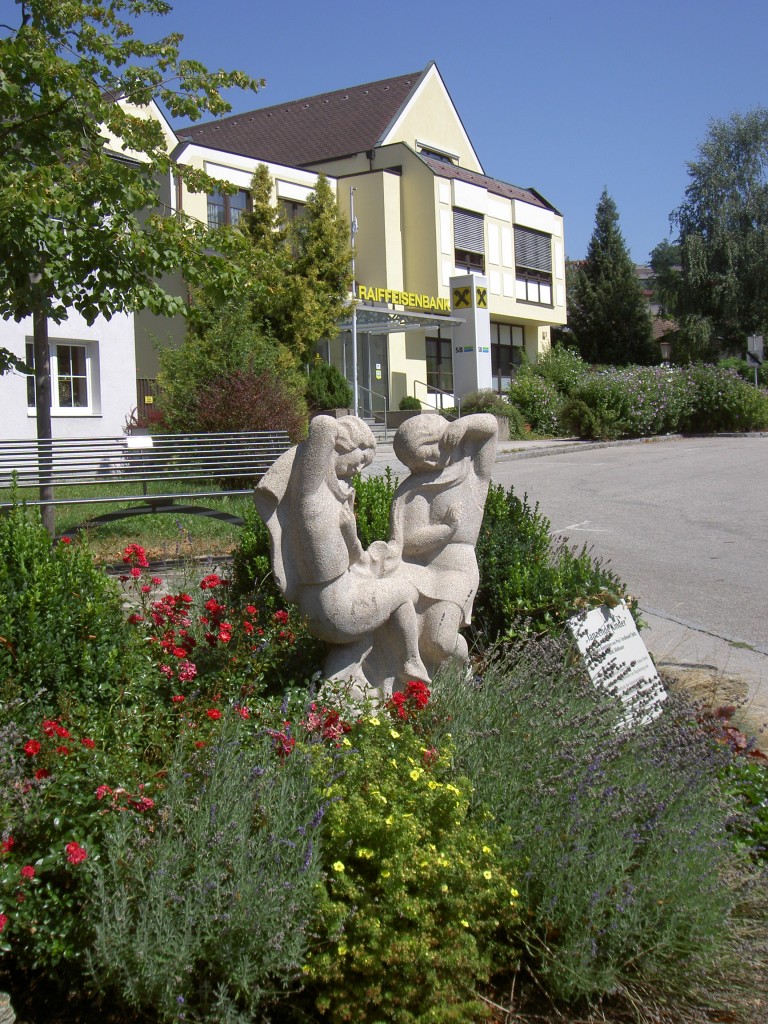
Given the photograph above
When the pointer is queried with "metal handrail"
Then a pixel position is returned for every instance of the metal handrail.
(438, 391)
(378, 394)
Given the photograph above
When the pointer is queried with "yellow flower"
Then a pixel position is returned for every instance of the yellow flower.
(365, 853)
(443, 888)
(433, 785)
(452, 789)
(464, 923)
(487, 849)
(374, 721)
(487, 875)
(389, 821)
(385, 874)
(346, 742)
(415, 774)
(338, 866)
(514, 892)
(394, 734)
(341, 950)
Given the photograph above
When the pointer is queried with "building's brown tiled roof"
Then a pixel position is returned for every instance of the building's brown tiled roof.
(333, 124)
(496, 187)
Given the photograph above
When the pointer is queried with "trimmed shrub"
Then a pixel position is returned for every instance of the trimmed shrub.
(537, 399)
(63, 630)
(409, 403)
(489, 401)
(530, 585)
(327, 387)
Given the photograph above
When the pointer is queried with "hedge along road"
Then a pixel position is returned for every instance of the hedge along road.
(682, 521)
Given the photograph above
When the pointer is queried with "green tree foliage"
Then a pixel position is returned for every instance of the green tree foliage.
(723, 231)
(607, 314)
(73, 229)
(295, 275)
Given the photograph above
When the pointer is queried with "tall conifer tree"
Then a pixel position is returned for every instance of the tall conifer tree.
(607, 313)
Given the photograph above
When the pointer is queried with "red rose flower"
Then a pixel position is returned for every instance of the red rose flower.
(27, 871)
(3, 921)
(42, 773)
(7, 844)
(213, 713)
(88, 742)
(76, 853)
(31, 747)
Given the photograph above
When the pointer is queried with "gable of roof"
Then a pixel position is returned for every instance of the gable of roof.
(493, 185)
(322, 127)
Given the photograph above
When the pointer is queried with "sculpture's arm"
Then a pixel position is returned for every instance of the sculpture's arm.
(314, 455)
(424, 538)
(480, 431)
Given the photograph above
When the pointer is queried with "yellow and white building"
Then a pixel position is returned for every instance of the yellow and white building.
(457, 273)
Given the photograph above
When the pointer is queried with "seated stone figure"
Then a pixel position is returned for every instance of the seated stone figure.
(436, 517)
(346, 594)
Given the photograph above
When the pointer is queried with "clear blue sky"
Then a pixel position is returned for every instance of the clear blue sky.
(565, 97)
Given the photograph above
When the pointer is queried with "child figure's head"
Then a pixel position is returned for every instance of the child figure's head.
(420, 442)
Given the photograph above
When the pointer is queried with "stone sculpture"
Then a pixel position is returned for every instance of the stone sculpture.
(392, 613)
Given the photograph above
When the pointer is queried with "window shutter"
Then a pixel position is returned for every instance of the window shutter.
(533, 250)
(468, 231)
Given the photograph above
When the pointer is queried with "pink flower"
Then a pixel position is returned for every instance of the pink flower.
(252, 609)
(187, 672)
(76, 853)
(31, 747)
(3, 921)
(63, 751)
(210, 581)
(178, 699)
(144, 803)
(281, 617)
(7, 844)
(135, 619)
(27, 871)
(213, 713)
(102, 791)
(135, 553)
(88, 742)
(135, 572)
(167, 671)
(244, 713)
(156, 581)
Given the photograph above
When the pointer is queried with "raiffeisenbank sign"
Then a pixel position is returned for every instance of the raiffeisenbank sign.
(397, 298)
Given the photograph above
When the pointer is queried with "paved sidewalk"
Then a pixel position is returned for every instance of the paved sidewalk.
(716, 668)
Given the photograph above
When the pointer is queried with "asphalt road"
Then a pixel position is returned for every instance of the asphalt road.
(684, 522)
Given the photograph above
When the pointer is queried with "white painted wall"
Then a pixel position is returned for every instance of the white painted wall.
(112, 381)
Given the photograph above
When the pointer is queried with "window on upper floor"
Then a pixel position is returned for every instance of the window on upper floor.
(533, 266)
(73, 374)
(224, 209)
(291, 209)
(469, 241)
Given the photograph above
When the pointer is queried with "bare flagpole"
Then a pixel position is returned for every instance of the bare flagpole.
(353, 232)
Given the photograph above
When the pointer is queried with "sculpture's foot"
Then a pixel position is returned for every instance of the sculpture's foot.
(414, 670)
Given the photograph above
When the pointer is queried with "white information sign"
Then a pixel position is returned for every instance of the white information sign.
(618, 660)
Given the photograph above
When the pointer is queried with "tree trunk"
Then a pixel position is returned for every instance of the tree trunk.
(43, 405)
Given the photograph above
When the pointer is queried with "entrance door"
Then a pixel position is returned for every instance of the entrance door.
(372, 372)
(440, 370)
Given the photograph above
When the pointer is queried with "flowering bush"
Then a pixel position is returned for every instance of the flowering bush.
(418, 904)
(537, 399)
(56, 807)
(203, 645)
(640, 401)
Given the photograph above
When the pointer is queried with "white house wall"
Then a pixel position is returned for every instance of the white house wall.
(112, 377)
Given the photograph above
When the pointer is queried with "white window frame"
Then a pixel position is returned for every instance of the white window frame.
(90, 350)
